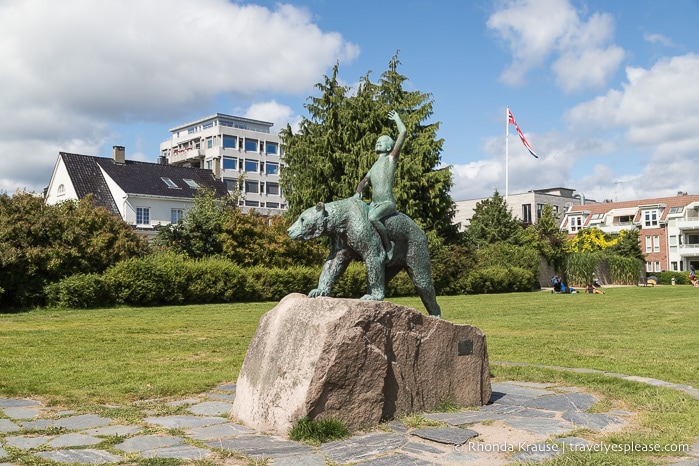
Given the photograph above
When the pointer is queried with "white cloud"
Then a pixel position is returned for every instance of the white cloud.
(656, 113)
(274, 112)
(535, 30)
(658, 39)
(70, 71)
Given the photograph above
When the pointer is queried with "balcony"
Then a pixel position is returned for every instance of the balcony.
(691, 224)
(189, 154)
(688, 250)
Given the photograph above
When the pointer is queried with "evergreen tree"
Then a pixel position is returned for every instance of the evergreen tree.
(334, 149)
(492, 222)
(551, 238)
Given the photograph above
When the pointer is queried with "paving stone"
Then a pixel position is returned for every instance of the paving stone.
(228, 387)
(26, 443)
(83, 421)
(8, 426)
(211, 408)
(39, 424)
(182, 452)
(687, 462)
(80, 456)
(448, 435)
(188, 401)
(147, 442)
(175, 422)
(397, 460)
(538, 452)
(566, 402)
(363, 447)
(541, 425)
(222, 396)
(3, 453)
(22, 413)
(397, 426)
(519, 390)
(261, 446)
(109, 431)
(465, 417)
(73, 440)
(596, 421)
(17, 403)
(315, 459)
(414, 447)
(529, 412)
(218, 431)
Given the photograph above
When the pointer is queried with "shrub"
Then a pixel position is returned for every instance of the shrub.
(215, 280)
(624, 270)
(681, 278)
(498, 279)
(153, 280)
(80, 291)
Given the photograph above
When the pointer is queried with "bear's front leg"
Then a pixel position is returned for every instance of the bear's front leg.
(332, 269)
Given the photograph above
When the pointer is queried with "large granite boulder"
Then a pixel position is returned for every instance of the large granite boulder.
(358, 361)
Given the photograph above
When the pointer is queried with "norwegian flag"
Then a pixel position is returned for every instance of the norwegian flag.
(511, 120)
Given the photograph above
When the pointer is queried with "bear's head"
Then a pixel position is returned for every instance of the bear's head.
(310, 224)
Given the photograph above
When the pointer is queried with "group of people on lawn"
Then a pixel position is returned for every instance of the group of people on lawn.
(560, 287)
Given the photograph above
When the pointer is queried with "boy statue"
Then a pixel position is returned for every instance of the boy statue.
(381, 175)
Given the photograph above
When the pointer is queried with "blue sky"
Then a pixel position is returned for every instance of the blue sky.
(605, 92)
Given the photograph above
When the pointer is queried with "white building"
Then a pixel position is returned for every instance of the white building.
(143, 194)
(240, 151)
(526, 207)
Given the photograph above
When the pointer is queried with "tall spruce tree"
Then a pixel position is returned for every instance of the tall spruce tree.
(334, 149)
(492, 222)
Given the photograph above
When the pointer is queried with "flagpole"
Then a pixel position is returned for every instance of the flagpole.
(507, 151)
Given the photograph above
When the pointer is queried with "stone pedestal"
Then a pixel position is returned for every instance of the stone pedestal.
(358, 361)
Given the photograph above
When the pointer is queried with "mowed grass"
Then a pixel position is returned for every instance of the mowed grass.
(81, 359)
(126, 354)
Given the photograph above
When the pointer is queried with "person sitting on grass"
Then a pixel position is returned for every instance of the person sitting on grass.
(592, 289)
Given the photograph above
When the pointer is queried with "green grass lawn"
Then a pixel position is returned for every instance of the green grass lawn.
(78, 358)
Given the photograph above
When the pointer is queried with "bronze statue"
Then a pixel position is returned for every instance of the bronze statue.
(386, 240)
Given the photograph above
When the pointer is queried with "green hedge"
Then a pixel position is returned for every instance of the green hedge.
(499, 279)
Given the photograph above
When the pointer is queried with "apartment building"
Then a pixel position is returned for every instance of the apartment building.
(668, 227)
(526, 207)
(242, 152)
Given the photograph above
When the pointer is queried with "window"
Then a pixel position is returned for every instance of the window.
(676, 210)
(142, 215)
(176, 215)
(527, 213)
(539, 209)
(273, 188)
(209, 164)
(230, 142)
(251, 145)
(252, 204)
(657, 266)
(273, 205)
(625, 219)
(575, 224)
(674, 266)
(650, 218)
(649, 247)
(209, 143)
(656, 243)
(252, 187)
(649, 266)
(231, 184)
(272, 168)
(61, 189)
(169, 183)
(271, 148)
(191, 183)
(207, 125)
(251, 165)
(230, 163)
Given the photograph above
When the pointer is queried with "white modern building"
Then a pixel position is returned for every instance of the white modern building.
(526, 207)
(240, 151)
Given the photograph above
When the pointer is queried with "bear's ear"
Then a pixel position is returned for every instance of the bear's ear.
(320, 206)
